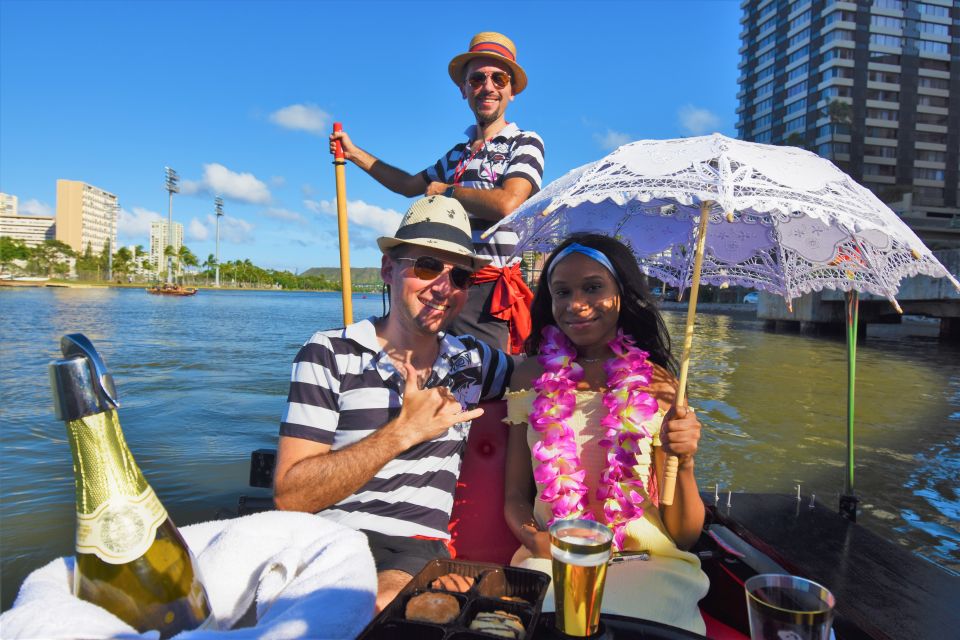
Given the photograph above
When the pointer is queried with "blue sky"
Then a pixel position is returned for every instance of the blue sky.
(239, 96)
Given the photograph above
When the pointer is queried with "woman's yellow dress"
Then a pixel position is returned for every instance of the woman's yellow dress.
(667, 587)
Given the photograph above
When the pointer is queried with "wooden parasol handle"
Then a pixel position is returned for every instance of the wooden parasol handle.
(339, 168)
(673, 463)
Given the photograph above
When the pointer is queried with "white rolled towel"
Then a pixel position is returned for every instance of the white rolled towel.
(307, 578)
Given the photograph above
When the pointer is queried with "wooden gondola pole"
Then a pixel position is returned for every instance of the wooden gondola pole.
(339, 168)
(673, 463)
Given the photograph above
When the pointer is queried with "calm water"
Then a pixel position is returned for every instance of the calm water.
(202, 383)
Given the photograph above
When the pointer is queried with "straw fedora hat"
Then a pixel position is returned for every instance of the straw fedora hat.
(439, 223)
(490, 44)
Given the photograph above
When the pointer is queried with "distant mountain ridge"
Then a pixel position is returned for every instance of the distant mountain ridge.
(358, 275)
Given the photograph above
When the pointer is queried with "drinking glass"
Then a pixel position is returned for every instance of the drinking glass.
(783, 607)
(580, 550)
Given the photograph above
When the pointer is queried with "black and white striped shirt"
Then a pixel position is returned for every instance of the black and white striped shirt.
(343, 388)
(511, 153)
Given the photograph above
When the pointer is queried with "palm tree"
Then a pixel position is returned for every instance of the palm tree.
(168, 252)
(139, 253)
(122, 262)
(209, 265)
(839, 112)
(186, 257)
(249, 270)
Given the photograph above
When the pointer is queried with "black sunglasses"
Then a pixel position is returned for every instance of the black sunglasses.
(478, 78)
(428, 268)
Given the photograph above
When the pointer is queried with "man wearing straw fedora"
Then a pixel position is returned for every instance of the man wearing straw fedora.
(490, 173)
(378, 412)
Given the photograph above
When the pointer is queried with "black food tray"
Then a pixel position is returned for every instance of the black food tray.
(614, 627)
(491, 582)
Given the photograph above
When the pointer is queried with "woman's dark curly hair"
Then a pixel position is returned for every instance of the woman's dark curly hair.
(639, 316)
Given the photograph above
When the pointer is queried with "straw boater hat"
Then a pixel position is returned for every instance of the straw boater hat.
(490, 44)
(437, 222)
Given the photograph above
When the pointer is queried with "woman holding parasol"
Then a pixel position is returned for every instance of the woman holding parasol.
(586, 414)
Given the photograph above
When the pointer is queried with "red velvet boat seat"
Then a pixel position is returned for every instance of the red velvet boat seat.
(477, 526)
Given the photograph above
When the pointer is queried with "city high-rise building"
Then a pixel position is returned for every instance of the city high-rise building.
(31, 230)
(159, 240)
(872, 85)
(8, 204)
(86, 216)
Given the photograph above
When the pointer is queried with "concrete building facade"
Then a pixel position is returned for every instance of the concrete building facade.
(31, 230)
(86, 216)
(159, 240)
(873, 85)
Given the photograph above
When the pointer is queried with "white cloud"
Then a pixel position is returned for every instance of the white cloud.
(217, 179)
(302, 117)
(278, 181)
(697, 121)
(198, 231)
(307, 189)
(233, 230)
(285, 215)
(34, 207)
(384, 221)
(611, 139)
(136, 225)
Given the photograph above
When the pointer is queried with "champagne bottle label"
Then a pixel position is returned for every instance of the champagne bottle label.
(117, 511)
(121, 529)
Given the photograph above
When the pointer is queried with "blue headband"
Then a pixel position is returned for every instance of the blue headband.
(590, 252)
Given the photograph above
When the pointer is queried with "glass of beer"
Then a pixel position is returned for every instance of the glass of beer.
(788, 607)
(580, 550)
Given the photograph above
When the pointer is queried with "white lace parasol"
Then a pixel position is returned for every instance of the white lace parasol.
(782, 219)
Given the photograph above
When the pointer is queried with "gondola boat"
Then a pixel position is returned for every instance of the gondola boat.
(883, 591)
(171, 290)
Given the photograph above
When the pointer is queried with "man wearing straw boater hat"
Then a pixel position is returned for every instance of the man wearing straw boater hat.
(378, 412)
(490, 173)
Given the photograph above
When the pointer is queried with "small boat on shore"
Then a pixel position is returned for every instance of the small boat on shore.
(171, 290)
(26, 281)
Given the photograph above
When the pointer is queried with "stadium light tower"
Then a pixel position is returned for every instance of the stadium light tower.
(114, 212)
(218, 205)
(172, 186)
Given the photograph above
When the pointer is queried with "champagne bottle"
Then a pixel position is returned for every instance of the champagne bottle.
(130, 558)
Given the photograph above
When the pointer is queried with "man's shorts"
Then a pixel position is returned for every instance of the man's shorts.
(403, 554)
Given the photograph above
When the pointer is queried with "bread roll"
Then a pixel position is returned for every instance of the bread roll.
(439, 608)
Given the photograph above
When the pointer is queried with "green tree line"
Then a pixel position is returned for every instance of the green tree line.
(52, 259)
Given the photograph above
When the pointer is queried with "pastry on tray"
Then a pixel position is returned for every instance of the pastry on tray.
(453, 582)
(439, 608)
(514, 599)
(498, 623)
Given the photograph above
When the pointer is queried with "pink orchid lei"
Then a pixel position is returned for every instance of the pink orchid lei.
(628, 406)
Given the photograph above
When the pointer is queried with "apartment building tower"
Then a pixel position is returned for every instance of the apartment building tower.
(86, 216)
(31, 230)
(873, 85)
(159, 240)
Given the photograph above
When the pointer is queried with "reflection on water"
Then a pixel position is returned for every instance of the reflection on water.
(202, 383)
